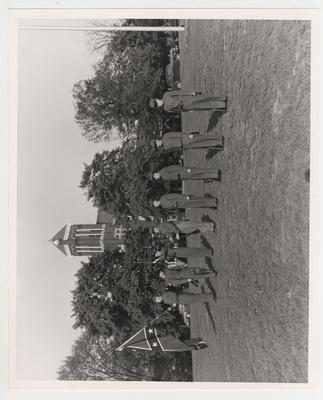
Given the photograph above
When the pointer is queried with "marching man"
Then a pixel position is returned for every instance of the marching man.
(183, 252)
(170, 297)
(178, 227)
(189, 141)
(179, 172)
(179, 101)
(181, 276)
(179, 200)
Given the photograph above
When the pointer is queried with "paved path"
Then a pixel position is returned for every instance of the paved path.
(257, 325)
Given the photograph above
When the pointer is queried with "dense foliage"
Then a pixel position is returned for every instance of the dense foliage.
(93, 358)
(117, 96)
(118, 180)
(115, 292)
(132, 70)
(114, 298)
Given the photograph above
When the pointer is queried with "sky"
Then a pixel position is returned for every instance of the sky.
(51, 153)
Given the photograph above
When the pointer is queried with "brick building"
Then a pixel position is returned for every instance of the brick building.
(89, 239)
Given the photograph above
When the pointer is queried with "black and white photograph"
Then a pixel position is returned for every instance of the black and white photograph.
(163, 199)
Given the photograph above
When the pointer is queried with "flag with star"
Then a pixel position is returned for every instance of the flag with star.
(148, 339)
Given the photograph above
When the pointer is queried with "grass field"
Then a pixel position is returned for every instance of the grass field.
(257, 325)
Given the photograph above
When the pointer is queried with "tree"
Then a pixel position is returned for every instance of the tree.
(131, 71)
(102, 179)
(114, 294)
(116, 97)
(93, 358)
(112, 300)
(118, 41)
(118, 180)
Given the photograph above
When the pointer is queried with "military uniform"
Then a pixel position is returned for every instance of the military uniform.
(179, 200)
(170, 297)
(185, 227)
(185, 252)
(188, 141)
(179, 101)
(179, 172)
(183, 275)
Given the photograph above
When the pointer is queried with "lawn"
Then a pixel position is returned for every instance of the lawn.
(257, 326)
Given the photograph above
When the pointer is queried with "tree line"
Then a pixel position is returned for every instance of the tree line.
(114, 292)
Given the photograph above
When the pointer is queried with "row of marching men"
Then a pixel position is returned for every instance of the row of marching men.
(172, 259)
(176, 272)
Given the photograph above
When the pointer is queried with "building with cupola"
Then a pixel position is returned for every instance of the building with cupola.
(90, 239)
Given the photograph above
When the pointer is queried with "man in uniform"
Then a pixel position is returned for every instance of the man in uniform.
(187, 141)
(179, 101)
(179, 172)
(177, 227)
(181, 276)
(179, 200)
(183, 252)
(184, 227)
(170, 297)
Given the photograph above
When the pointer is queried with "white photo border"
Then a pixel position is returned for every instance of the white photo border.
(188, 13)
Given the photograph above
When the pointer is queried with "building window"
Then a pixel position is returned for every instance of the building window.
(88, 232)
(89, 249)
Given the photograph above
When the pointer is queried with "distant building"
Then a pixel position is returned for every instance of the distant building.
(90, 239)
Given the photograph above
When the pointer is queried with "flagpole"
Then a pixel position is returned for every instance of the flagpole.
(158, 316)
(120, 348)
(107, 28)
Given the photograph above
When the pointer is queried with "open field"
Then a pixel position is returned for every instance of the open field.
(257, 326)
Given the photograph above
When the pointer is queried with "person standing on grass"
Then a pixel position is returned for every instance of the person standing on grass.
(179, 172)
(182, 252)
(170, 297)
(186, 227)
(172, 141)
(179, 200)
(179, 101)
(181, 276)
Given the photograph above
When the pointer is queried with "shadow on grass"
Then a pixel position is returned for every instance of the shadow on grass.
(211, 153)
(208, 260)
(212, 290)
(206, 218)
(208, 309)
(206, 243)
(210, 265)
(214, 119)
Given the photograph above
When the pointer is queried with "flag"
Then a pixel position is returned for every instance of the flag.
(148, 339)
